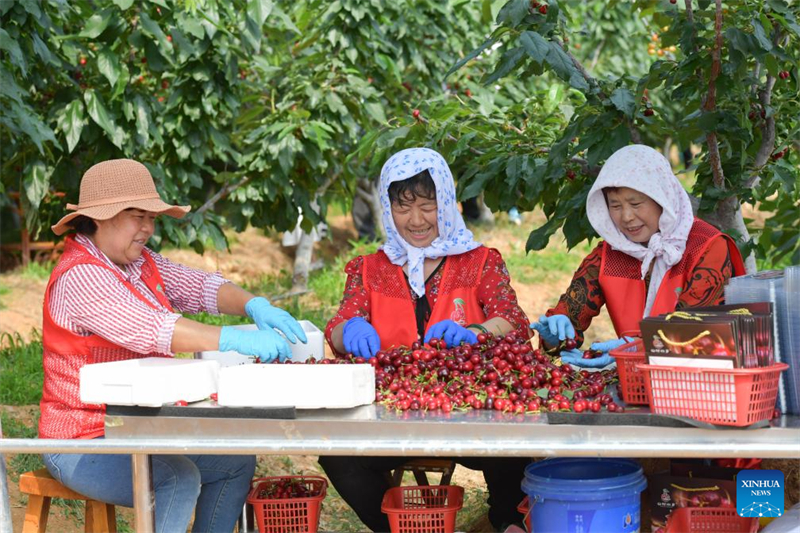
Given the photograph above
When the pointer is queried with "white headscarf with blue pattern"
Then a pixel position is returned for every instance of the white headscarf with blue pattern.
(454, 237)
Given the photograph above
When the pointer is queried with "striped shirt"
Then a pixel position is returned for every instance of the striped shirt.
(88, 299)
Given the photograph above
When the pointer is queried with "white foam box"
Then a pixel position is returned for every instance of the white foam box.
(300, 352)
(148, 382)
(301, 386)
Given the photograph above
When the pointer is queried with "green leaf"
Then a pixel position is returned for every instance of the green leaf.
(761, 35)
(71, 122)
(15, 53)
(513, 12)
(97, 110)
(36, 182)
(259, 10)
(24, 119)
(624, 100)
(536, 45)
(123, 4)
(96, 24)
(43, 51)
(108, 65)
(375, 110)
(508, 62)
(561, 63)
(472, 55)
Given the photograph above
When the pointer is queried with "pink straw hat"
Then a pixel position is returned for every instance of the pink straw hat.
(113, 186)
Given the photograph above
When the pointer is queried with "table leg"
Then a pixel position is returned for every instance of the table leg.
(144, 500)
(5, 498)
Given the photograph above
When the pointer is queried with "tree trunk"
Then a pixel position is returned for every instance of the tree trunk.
(302, 263)
(729, 213)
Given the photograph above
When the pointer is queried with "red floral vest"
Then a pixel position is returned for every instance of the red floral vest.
(624, 290)
(391, 306)
(63, 415)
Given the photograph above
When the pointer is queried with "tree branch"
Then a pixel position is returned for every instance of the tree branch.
(222, 193)
(711, 99)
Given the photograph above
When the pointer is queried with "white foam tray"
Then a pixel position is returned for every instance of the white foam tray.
(148, 382)
(301, 386)
(300, 352)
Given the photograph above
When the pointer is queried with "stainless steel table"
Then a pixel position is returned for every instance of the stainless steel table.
(374, 430)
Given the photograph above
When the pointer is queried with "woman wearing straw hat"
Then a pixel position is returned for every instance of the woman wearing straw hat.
(111, 298)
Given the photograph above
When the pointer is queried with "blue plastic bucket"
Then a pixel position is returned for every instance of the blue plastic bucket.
(584, 495)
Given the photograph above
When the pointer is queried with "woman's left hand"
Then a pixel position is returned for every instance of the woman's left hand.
(267, 316)
(452, 333)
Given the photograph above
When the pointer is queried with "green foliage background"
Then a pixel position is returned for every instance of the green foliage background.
(251, 109)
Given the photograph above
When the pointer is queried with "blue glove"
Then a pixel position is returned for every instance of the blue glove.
(267, 316)
(266, 344)
(575, 358)
(452, 333)
(554, 329)
(360, 338)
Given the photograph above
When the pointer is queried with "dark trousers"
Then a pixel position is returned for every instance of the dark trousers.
(361, 481)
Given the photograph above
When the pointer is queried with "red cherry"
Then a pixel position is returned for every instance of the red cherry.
(415, 113)
(570, 344)
(181, 403)
(169, 38)
(468, 93)
(82, 61)
(543, 9)
(570, 175)
(673, 1)
(649, 112)
(144, 60)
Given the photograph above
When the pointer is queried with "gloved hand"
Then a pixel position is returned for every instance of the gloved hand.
(575, 358)
(554, 329)
(266, 344)
(452, 333)
(360, 338)
(266, 316)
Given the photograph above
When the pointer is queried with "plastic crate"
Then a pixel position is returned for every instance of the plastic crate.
(424, 509)
(727, 397)
(631, 379)
(291, 515)
(709, 520)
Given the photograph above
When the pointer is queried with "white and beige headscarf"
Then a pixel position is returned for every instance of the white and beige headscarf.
(644, 169)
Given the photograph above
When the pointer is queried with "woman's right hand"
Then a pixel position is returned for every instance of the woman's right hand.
(554, 328)
(266, 344)
(360, 338)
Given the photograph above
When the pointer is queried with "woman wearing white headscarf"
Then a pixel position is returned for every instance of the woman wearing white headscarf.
(655, 256)
(429, 280)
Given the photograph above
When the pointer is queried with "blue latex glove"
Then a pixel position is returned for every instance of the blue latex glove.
(554, 329)
(360, 338)
(266, 316)
(575, 357)
(266, 344)
(452, 333)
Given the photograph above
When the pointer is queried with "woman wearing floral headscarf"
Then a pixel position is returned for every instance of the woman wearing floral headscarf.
(655, 256)
(429, 280)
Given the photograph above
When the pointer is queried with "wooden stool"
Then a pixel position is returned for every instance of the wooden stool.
(41, 488)
(420, 468)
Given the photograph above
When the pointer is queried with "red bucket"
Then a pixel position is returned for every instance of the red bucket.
(709, 520)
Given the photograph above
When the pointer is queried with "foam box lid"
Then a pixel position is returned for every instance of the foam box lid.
(149, 381)
(300, 352)
(301, 386)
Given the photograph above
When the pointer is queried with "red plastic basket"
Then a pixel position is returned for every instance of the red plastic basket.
(426, 509)
(292, 515)
(728, 397)
(709, 520)
(631, 379)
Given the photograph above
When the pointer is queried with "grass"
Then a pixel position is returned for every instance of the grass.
(21, 372)
(37, 271)
(3, 292)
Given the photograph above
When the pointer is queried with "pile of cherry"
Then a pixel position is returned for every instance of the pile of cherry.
(286, 488)
(501, 373)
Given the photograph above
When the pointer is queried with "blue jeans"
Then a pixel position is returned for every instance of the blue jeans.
(216, 484)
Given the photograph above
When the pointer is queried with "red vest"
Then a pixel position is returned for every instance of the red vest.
(63, 415)
(391, 306)
(624, 289)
